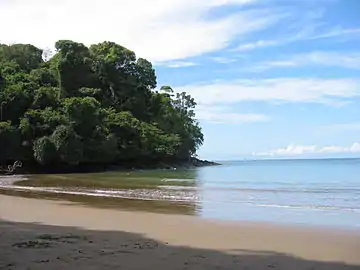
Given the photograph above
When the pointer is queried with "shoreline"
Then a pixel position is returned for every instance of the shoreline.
(124, 167)
(170, 208)
(158, 200)
(284, 246)
(318, 229)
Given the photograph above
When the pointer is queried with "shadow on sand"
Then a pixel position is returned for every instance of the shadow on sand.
(37, 246)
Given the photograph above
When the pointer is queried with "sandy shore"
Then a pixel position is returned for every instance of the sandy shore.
(40, 234)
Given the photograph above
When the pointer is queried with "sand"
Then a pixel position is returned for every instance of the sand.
(41, 234)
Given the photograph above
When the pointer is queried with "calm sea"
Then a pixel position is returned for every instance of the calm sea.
(314, 192)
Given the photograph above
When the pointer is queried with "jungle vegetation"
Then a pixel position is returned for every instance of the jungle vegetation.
(90, 105)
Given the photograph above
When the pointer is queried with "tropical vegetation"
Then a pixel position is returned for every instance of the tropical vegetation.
(90, 105)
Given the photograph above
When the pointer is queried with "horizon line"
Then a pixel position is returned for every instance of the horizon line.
(284, 159)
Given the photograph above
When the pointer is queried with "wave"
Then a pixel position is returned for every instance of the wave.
(313, 207)
(176, 180)
(136, 194)
(270, 190)
(191, 194)
(9, 180)
(178, 188)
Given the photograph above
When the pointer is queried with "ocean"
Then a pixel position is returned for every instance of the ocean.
(324, 192)
(311, 192)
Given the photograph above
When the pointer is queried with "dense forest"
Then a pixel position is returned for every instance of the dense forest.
(90, 105)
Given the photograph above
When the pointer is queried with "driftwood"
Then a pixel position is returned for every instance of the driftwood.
(11, 168)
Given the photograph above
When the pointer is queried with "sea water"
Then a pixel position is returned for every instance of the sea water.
(313, 192)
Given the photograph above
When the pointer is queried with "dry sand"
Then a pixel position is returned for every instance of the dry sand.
(40, 234)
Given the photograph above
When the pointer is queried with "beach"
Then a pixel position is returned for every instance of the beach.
(42, 234)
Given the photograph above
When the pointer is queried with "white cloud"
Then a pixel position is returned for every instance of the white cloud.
(179, 64)
(345, 60)
(222, 115)
(296, 150)
(260, 67)
(305, 90)
(224, 60)
(260, 44)
(348, 60)
(302, 35)
(336, 32)
(159, 30)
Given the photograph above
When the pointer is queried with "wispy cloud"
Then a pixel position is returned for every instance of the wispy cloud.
(178, 64)
(222, 115)
(335, 59)
(301, 90)
(337, 32)
(302, 35)
(260, 67)
(303, 27)
(159, 30)
(260, 44)
(224, 60)
(298, 150)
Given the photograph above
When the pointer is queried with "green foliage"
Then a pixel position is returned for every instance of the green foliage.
(46, 97)
(39, 123)
(9, 142)
(68, 145)
(146, 73)
(27, 56)
(156, 143)
(44, 76)
(74, 67)
(15, 101)
(90, 92)
(44, 151)
(90, 105)
(83, 114)
(2, 83)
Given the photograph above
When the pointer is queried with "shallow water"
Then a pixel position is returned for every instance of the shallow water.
(317, 192)
(314, 192)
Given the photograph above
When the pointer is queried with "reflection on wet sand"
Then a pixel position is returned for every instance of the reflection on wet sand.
(97, 190)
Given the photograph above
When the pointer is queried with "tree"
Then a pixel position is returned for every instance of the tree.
(68, 145)
(2, 83)
(15, 100)
(41, 122)
(114, 65)
(146, 73)
(74, 67)
(9, 142)
(126, 128)
(44, 76)
(90, 105)
(83, 114)
(45, 97)
(45, 151)
(27, 56)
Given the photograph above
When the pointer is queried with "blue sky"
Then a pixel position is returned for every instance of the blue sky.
(272, 78)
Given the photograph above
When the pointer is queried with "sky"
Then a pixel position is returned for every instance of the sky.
(272, 78)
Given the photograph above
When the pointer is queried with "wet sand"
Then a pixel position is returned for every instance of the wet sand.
(41, 234)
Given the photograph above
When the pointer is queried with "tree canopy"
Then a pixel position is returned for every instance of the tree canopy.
(90, 105)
